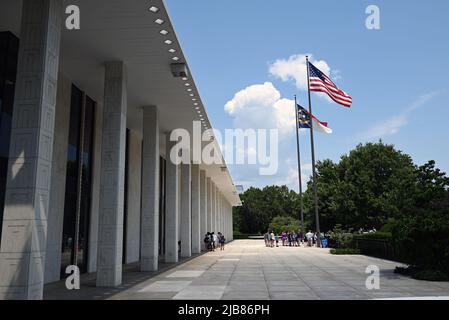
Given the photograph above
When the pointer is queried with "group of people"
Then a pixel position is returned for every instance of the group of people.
(211, 239)
(290, 239)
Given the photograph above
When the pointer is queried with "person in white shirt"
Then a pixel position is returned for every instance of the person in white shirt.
(309, 237)
(214, 240)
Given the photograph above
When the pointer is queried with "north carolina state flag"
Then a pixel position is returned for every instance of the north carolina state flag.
(304, 121)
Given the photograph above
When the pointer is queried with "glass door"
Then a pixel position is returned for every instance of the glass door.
(78, 182)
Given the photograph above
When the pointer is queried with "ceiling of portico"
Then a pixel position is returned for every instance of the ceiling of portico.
(125, 30)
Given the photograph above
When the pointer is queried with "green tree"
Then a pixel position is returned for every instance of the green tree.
(284, 223)
(421, 232)
(260, 206)
(366, 188)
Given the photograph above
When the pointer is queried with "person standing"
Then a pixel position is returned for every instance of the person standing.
(207, 241)
(272, 239)
(222, 241)
(276, 237)
(309, 237)
(214, 240)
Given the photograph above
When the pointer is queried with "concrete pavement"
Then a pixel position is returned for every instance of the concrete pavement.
(247, 269)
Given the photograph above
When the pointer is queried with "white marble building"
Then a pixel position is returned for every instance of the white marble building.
(85, 121)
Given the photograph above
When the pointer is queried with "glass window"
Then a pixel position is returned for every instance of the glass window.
(78, 181)
(9, 51)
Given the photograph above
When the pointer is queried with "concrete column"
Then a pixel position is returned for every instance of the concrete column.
(58, 177)
(186, 210)
(223, 223)
(209, 204)
(217, 199)
(217, 193)
(196, 218)
(171, 206)
(226, 217)
(231, 224)
(24, 236)
(220, 220)
(230, 228)
(149, 229)
(203, 208)
(110, 228)
(214, 208)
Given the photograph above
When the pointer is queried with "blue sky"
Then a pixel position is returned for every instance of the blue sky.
(397, 76)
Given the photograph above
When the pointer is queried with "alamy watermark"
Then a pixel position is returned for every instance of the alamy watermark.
(372, 22)
(72, 282)
(73, 21)
(373, 280)
(249, 147)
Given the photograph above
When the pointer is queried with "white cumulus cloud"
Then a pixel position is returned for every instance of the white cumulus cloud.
(261, 106)
(294, 69)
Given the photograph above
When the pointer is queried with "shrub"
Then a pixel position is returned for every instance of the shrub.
(284, 223)
(342, 251)
(427, 274)
(389, 226)
(424, 239)
(239, 235)
(374, 235)
(341, 238)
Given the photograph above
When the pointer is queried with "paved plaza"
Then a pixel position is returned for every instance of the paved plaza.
(249, 270)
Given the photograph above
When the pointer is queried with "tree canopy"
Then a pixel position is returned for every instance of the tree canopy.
(260, 206)
(367, 188)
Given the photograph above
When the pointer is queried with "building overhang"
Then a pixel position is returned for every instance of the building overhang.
(127, 30)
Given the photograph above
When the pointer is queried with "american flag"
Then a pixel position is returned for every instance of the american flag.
(319, 82)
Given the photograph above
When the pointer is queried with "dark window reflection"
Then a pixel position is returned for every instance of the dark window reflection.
(76, 237)
(125, 200)
(162, 166)
(9, 51)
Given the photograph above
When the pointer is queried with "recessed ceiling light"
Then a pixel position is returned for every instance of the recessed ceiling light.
(193, 99)
(197, 108)
(185, 79)
(153, 9)
(192, 95)
(172, 50)
(175, 58)
(168, 41)
(159, 21)
(195, 104)
(189, 90)
(187, 84)
(163, 32)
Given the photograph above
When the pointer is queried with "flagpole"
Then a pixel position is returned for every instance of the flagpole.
(299, 167)
(315, 193)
